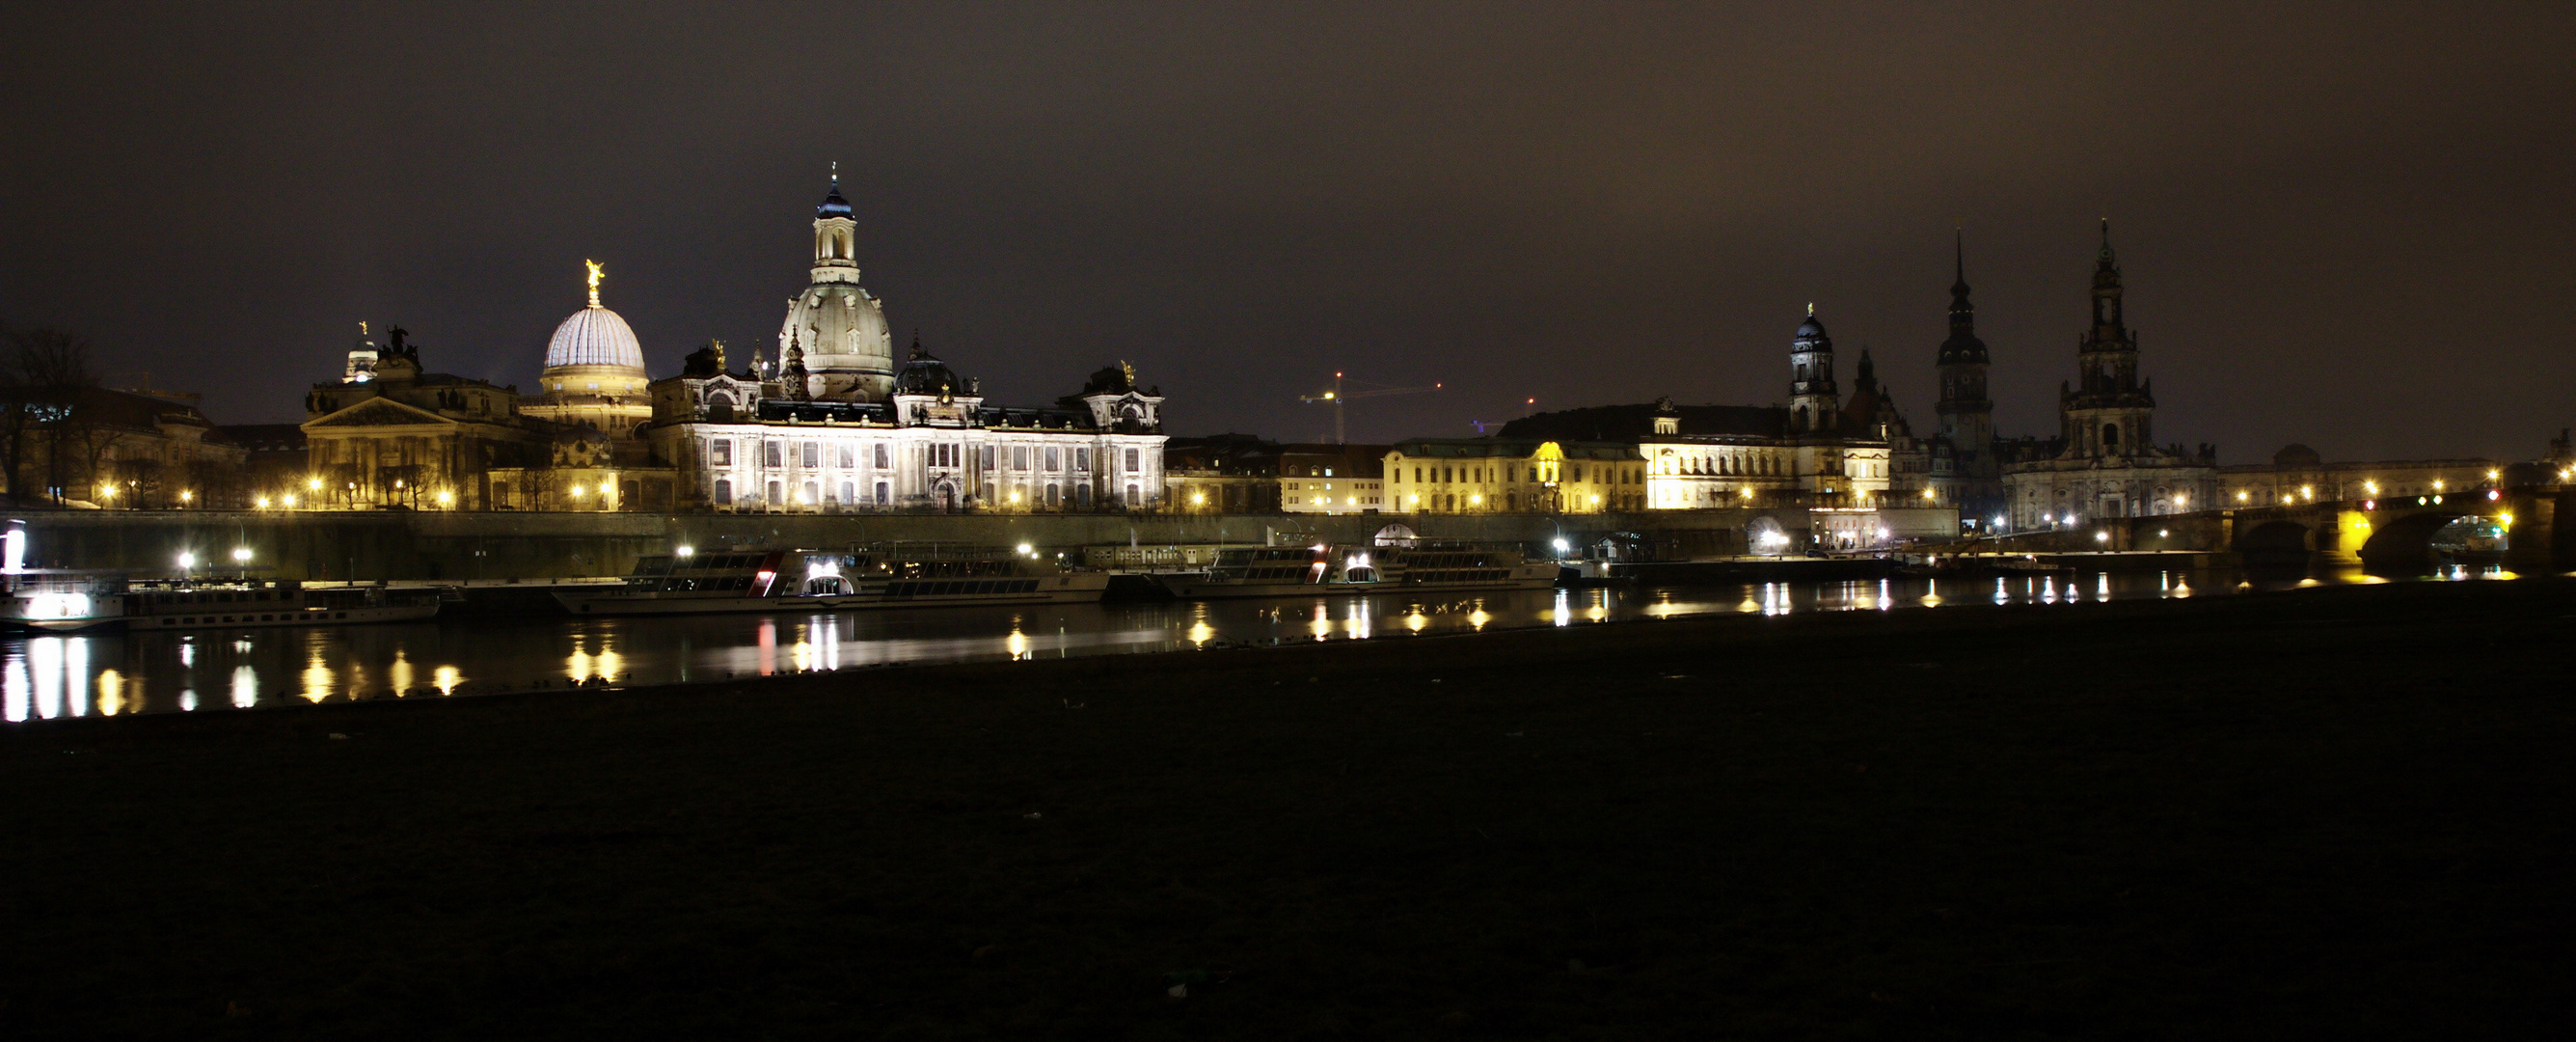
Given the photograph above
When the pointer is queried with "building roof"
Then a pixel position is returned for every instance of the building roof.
(266, 437)
(1510, 448)
(1637, 422)
(595, 336)
(833, 204)
(139, 412)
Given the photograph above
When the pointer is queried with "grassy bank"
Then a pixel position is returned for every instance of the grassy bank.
(2327, 812)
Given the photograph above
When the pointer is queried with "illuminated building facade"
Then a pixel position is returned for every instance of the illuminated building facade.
(1513, 475)
(1818, 450)
(833, 425)
(397, 436)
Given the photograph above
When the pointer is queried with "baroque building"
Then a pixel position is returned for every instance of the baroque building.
(1507, 474)
(388, 434)
(834, 424)
(2108, 464)
(1817, 450)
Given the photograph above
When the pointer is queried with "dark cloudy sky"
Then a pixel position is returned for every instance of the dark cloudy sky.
(2348, 225)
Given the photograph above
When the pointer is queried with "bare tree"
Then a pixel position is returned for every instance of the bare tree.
(42, 371)
(142, 481)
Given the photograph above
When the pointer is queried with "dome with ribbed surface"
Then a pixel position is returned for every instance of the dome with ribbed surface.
(594, 336)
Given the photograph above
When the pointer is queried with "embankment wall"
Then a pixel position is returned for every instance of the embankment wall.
(369, 545)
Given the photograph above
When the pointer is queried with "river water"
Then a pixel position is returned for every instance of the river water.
(111, 673)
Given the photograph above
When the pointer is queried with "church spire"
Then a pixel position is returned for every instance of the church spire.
(1963, 345)
(2107, 323)
(1959, 247)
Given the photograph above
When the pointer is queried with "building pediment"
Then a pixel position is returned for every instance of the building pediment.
(380, 412)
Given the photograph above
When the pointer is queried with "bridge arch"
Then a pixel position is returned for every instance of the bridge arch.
(2275, 544)
(2406, 545)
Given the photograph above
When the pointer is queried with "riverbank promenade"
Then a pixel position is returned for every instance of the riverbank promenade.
(2316, 813)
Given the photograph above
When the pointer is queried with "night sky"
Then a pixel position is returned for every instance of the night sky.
(2344, 225)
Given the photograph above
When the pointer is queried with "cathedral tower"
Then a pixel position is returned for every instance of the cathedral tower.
(1811, 380)
(835, 326)
(2109, 412)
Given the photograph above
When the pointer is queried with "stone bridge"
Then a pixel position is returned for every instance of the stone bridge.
(2391, 536)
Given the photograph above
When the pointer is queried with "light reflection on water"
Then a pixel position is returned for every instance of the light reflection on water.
(114, 673)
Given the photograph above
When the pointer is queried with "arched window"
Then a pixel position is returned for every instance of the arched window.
(1802, 418)
(2110, 435)
(724, 492)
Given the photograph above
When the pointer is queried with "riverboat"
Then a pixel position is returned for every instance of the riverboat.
(229, 605)
(53, 601)
(1304, 571)
(859, 579)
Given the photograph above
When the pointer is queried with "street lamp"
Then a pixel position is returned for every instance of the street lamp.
(186, 561)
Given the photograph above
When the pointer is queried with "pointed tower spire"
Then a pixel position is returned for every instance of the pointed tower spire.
(1959, 244)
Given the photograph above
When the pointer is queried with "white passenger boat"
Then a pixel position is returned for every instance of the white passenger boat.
(1304, 571)
(53, 600)
(860, 579)
(60, 601)
(185, 605)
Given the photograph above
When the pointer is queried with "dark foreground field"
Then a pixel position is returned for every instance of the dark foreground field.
(2316, 814)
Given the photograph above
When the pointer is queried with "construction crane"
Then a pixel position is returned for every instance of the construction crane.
(1338, 395)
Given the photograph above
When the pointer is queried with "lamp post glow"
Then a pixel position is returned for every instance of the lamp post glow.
(186, 561)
